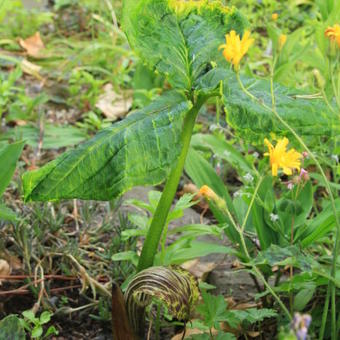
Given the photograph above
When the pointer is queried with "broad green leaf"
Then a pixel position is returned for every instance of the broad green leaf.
(29, 315)
(199, 249)
(37, 332)
(9, 155)
(180, 43)
(11, 328)
(254, 122)
(139, 150)
(45, 317)
(309, 117)
(302, 298)
(284, 256)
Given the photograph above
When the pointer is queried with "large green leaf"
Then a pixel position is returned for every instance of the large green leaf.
(181, 44)
(11, 328)
(9, 155)
(139, 150)
(309, 116)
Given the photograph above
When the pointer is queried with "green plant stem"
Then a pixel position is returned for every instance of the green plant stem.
(158, 321)
(272, 292)
(245, 250)
(251, 204)
(160, 217)
(331, 286)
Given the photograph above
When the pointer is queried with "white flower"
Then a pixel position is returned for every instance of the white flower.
(256, 154)
(336, 158)
(274, 217)
(248, 177)
(237, 193)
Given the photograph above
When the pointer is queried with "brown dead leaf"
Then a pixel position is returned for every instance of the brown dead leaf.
(245, 306)
(84, 239)
(199, 269)
(33, 45)
(253, 334)
(112, 105)
(5, 269)
(14, 262)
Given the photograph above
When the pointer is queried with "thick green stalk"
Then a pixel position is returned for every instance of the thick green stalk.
(159, 219)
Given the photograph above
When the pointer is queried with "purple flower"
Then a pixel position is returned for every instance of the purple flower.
(300, 325)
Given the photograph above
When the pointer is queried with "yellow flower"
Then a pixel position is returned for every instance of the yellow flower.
(282, 40)
(234, 49)
(333, 33)
(281, 158)
(275, 16)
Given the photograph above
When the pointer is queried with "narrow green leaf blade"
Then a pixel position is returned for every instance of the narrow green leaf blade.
(222, 149)
(6, 214)
(140, 150)
(9, 155)
(199, 249)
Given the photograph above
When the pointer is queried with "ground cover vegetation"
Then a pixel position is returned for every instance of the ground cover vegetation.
(147, 146)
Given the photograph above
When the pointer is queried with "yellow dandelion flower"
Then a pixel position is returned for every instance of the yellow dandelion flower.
(275, 16)
(235, 48)
(333, 33)
(281, 158)
(282, 40)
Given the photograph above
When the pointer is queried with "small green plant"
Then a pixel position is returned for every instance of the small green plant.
(214, 311)
(8, 89)
(34, 325)
(185, 248)
(84, 89)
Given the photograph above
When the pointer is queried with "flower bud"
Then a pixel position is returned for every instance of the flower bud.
(320, 80)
